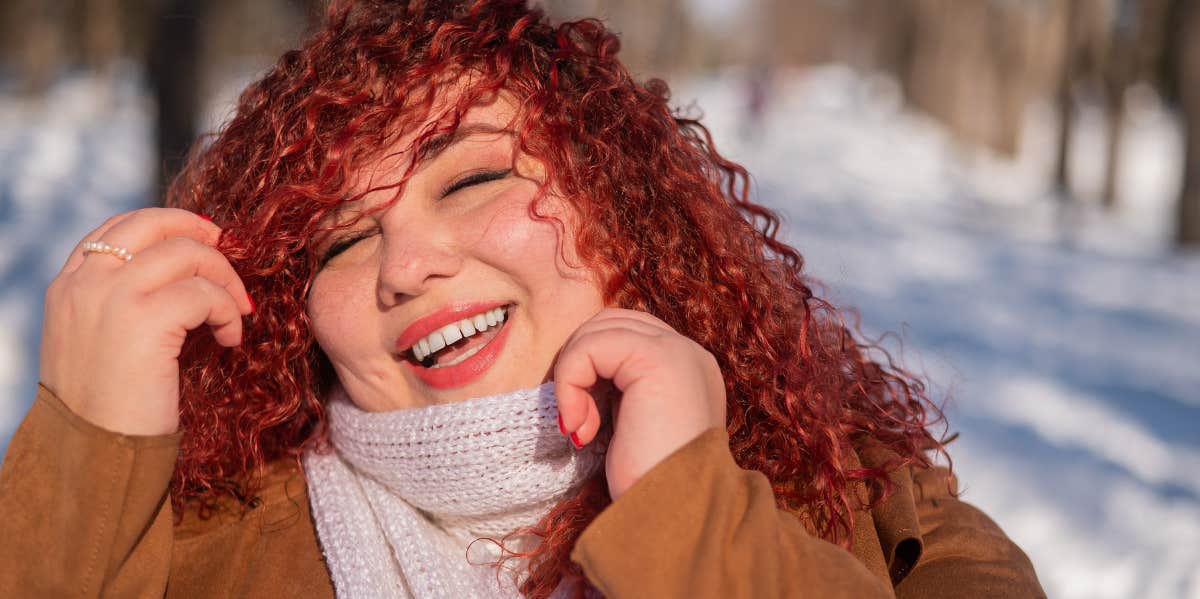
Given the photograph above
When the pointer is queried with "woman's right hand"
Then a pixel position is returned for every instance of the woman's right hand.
(113, 330)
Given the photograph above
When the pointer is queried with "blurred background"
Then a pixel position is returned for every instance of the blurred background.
(1008, 191)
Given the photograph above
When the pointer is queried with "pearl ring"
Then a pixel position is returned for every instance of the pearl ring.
(99, 247)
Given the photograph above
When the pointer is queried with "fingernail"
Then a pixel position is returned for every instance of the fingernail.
(251, 300)
(575, 441)
(205, 217)
(562, 429)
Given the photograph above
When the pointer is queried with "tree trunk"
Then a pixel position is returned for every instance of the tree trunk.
(1188, 223)
(173, 66)
(1188, 47)
(1066, 103)
(101, 34)
(1115, 111)
(43, 44)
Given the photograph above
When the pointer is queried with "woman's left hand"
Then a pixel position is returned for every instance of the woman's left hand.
(670, 390)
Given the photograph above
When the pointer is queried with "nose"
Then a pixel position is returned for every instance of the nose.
(414, 259)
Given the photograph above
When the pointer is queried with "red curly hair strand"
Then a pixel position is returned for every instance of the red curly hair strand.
(667, 222)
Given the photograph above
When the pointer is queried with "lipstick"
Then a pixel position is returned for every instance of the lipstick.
(446, 377)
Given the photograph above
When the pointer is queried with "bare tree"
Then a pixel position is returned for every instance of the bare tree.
(173, 67)
(102, 38)
(1187, 63)
(1135, 46)
(1085, 46)
(41, 41)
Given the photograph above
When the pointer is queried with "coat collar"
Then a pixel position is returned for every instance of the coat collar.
(895, 518)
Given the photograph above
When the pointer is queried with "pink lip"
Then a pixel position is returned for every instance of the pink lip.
(465, 371)
(448, 377)
(440, 318)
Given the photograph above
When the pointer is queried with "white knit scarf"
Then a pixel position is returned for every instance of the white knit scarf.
(399, 501)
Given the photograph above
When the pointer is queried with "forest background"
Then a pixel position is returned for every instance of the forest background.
(1008, 191)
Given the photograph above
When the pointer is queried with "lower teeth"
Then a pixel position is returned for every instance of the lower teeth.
(467, 354)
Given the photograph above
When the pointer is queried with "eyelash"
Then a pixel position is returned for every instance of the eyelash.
(342, 245)
(476, 179)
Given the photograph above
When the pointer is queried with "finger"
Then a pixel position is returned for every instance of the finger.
(195, 301)
(573, 376)
(148, 226)
(181, 258)
(75, 258)
(624, 313)
(621, 322)
(606, 353)
(586, 432)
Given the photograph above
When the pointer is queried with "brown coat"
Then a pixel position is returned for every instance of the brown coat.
(87, 515)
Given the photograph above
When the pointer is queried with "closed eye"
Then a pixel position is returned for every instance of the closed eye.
(475, 179)
(344, 244)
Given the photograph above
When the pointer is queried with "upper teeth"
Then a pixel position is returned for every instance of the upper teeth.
(454, 331)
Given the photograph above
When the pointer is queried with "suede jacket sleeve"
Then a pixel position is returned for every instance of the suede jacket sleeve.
(699, 526)
(85, 513)
(85, 510)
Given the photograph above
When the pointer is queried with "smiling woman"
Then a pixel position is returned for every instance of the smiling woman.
(439, 242)
(517, 330)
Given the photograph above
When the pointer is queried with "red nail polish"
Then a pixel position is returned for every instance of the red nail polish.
(251, 300)
(562, 429)
(575, 441)
(205, 217)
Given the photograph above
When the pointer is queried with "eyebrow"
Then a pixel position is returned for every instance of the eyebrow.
(437, 144)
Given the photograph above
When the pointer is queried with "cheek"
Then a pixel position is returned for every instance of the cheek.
(540, 254)
(518, 240)
(334, 310)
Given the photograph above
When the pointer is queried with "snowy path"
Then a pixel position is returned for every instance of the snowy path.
(1072, 358)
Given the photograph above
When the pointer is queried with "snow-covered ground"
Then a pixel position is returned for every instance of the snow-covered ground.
(1067, 340)
(67, 161)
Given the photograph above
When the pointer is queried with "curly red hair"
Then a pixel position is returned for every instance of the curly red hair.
(667, 222)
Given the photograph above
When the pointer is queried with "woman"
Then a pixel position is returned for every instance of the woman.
(470, 239)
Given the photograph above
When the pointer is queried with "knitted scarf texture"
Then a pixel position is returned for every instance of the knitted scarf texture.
(403, 496)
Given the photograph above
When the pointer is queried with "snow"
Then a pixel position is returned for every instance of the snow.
(68, 161)
(1066, 340)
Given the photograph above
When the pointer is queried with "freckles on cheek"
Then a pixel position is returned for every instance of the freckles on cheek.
(332, 310)
(511, 232)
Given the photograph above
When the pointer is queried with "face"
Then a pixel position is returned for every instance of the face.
(436, 267)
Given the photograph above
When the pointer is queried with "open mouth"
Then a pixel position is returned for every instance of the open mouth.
(457, 342)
